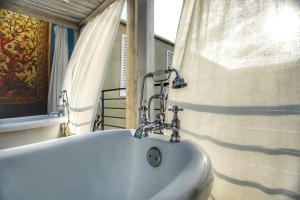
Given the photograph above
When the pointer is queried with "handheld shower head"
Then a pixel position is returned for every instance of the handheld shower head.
(164, 75)
(178, 82)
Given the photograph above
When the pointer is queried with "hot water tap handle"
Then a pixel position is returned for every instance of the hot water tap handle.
(175, 124)
(175, 109)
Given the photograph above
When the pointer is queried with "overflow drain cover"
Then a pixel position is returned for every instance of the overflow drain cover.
(154, 156)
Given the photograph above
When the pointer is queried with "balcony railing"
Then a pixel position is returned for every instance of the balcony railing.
(100, 121)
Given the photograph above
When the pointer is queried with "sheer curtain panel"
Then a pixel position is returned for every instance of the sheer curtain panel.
(241, 60)
(87, 67)
(59, 66)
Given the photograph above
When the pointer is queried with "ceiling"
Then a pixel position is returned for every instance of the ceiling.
(66, 11)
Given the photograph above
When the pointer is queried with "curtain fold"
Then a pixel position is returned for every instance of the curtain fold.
(242, 103)
(59, 67)
(87, 67)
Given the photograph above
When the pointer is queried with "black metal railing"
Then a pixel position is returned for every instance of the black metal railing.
(103, 116)
(100, 119)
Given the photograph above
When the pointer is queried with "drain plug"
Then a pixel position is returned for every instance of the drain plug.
(154, 156)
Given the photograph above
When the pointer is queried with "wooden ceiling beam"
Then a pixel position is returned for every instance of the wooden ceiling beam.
(96, 12)
(38, 14)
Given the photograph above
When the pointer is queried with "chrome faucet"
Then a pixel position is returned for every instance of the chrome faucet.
(62, 110)
(63, 104)
(146, 124)
(158, 124)
(177, 83)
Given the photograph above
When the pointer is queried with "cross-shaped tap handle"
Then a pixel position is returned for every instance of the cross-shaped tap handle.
(175, 109)
(143, 109)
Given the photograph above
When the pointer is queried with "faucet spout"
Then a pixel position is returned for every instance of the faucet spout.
(145, 128)
(139, 132)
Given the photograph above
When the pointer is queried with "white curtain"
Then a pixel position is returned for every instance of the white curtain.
(87, 67)
(59, 66)
(242, 104)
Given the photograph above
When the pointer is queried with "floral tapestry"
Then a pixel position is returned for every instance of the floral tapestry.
(24, 58)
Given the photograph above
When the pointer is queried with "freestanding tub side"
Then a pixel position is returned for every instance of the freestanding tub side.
(108, 165)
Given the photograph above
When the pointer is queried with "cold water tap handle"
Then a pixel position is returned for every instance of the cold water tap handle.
(175, 109)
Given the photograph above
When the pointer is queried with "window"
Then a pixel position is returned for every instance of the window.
(169, 58)
(123, 65)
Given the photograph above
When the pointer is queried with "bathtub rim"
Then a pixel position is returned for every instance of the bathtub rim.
(35, 122)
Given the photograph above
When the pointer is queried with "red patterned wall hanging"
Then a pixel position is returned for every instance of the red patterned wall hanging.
(24, 58)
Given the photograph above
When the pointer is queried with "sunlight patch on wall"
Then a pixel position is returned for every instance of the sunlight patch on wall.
(282, 25)
(248, 36)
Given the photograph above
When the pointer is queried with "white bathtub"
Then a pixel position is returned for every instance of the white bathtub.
(106, 165)
(26, 130)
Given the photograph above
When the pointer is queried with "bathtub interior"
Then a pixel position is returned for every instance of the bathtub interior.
(98, 166)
